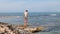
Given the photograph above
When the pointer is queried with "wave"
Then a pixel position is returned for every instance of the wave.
(53, 14)
(10, 16)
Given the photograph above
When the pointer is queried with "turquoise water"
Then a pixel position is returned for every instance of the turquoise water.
(49, 20)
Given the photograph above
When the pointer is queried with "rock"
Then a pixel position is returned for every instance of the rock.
(6, 28)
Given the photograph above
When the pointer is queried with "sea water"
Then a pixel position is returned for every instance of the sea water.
(49, 20)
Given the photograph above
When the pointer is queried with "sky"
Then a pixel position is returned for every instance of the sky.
(31, 5)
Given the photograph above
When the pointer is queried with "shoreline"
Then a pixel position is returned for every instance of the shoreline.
(6, 28)
(17, 29)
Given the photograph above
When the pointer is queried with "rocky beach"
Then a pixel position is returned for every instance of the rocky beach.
(6, 28)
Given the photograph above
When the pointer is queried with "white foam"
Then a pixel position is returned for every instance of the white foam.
(52, 14)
